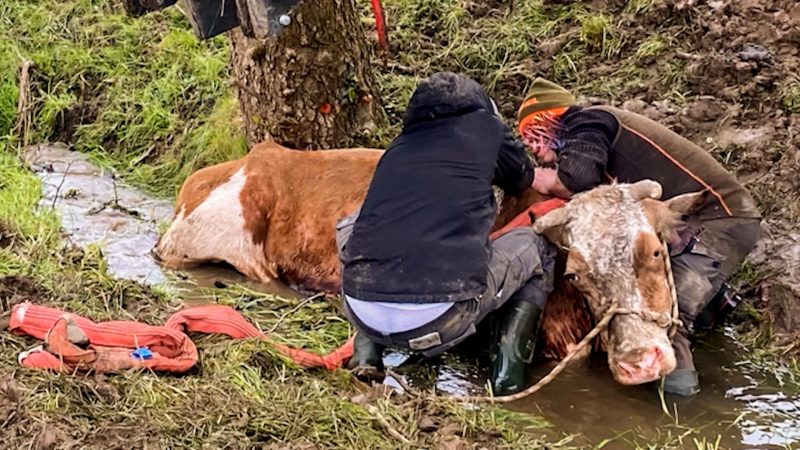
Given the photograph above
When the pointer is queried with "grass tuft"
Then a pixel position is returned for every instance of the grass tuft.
(639, 6)
(651, 47)
(597, 33)
(790, 93)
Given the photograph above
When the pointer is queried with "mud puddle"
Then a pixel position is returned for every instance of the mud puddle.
(95, 208)
(747, 408)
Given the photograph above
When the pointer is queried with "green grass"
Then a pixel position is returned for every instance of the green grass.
(136, 91)
(639, 6)
(790, 93)
(597, 33)
(651, 47)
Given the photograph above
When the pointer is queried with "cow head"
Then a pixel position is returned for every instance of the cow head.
(209, 223)
(613, 235)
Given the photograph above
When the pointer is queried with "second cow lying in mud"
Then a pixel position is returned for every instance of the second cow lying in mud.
(272, 214)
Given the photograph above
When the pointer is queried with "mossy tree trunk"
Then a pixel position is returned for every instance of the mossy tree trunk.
(311, 87)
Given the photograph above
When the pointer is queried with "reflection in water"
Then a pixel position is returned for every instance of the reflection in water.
(191, 284)
(745, 407)
(97, 209)
(738, 402)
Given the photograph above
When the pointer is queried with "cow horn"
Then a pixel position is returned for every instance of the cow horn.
(645, 189)
(554, 218)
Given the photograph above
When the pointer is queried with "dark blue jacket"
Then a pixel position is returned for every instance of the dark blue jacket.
(422, 233)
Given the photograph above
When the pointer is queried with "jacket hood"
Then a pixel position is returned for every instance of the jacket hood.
(446, 94)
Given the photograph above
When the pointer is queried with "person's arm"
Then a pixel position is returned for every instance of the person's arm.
(583, 159)
(514, 172)
(546, 181)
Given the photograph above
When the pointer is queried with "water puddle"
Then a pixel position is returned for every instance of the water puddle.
(97, 209)
(744, 406)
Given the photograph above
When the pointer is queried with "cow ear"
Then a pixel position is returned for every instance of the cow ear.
(554, 218)
(688, 204)
(645, 189)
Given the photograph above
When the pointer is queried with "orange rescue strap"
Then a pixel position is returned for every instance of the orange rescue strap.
(74, 343)
(526, 218)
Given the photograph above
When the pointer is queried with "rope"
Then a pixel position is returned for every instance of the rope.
(673, 292)
(672, 322)
(602, 325)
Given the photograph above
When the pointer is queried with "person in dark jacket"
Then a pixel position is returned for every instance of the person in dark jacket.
(585, 147)
(419, 271)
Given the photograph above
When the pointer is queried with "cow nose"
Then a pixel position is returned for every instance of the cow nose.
(643, 368)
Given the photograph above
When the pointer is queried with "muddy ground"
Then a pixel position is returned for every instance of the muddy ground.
(146, 99)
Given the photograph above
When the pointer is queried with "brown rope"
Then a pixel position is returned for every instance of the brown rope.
(602, 325)
(673, 292)
(671, 321)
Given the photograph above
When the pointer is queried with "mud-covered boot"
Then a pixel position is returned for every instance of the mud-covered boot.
(515, 342)
(718, 309)
(683, 380)
(367, 361)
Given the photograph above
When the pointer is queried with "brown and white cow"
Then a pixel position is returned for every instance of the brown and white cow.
(272, 214)
(611, 240)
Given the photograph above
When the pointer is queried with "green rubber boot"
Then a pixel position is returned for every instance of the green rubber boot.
(683, 380)
(514, 346)
(367, 361)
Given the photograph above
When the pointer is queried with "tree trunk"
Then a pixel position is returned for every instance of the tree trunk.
(311, 87)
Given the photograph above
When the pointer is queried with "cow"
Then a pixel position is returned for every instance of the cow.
(612, 252)
(272, 214)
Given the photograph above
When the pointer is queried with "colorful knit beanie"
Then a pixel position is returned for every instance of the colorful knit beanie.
(539, 113)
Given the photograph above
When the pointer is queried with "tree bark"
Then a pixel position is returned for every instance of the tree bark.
(311, 87)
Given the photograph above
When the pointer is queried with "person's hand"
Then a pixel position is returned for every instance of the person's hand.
(544, 154)
(546, 182)
(543, 180)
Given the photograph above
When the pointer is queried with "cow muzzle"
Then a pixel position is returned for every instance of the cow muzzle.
(642, 365)
(639, 350)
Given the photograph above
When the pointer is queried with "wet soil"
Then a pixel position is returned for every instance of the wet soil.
(15, 289)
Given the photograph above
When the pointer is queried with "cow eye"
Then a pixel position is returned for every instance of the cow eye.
(657, 253)
(571, 277)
